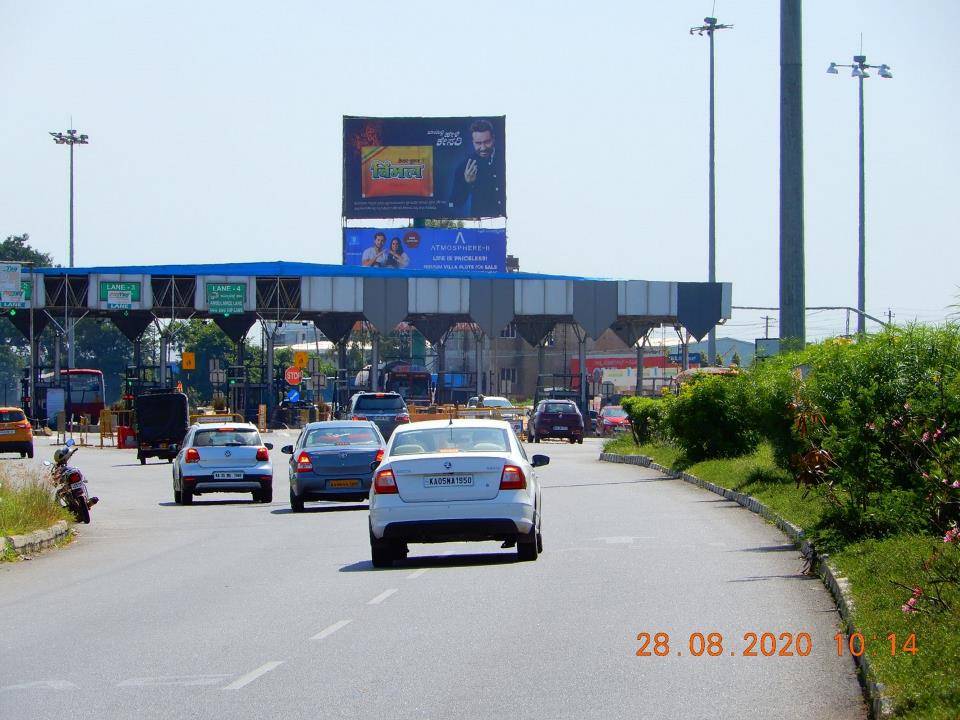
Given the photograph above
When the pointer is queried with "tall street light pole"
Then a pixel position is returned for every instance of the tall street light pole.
(709, 27)
(860, 70)
(70, 138)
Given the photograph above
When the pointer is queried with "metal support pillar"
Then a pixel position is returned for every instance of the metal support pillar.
(271, 341)
(163, 359)
(478, 337)
(375, 362)
(582, 357)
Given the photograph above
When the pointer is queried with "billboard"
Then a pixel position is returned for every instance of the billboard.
(464, 249)
(424, 167)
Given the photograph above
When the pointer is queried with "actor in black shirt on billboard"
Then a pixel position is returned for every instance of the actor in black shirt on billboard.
(478, 181)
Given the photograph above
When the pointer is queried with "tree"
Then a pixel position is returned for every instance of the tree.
(16, 248)
(718, 360)
(735, 360)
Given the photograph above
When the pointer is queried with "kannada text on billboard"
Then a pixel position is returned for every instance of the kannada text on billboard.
(424, 167)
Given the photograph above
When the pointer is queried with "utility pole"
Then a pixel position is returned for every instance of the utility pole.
(70, 138)
(792, 293)
(766, 325)
(890, 316)
(709, 28)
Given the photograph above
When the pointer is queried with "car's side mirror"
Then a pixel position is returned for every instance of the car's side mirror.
(540, 460)
(269, 446)
(287, 449)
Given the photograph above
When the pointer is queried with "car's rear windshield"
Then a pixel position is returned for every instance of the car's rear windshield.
(219, 437)
(450, 440)
(12, 416)
(614, 412)
(496, 402)
(379, 403)
(341, 435)
(559, 408)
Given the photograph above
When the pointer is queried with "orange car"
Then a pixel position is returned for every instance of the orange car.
(16, 435)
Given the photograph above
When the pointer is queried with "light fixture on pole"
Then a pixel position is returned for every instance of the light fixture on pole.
(860, 70)
(709, 27)
(70, 138)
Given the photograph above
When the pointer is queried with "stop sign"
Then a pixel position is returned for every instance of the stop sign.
(293, 375)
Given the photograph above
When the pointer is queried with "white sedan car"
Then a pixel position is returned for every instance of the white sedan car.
(452, 480)
(223, 457)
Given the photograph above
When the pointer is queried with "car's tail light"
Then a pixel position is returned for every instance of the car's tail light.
(403, 418)
(262, 453)
(359, 417)
(304, 463)
(23, 425)
(385, 483)
(379, 456)
(512, 478)
(192, 456)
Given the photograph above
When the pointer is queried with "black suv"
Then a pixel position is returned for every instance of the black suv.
(385, 409)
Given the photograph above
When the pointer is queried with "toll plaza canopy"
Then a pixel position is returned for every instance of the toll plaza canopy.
(335, 297)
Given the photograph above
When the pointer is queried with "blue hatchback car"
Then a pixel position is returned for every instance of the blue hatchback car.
(332, 461)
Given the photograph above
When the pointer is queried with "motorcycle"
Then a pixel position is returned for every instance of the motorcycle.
(71, 489)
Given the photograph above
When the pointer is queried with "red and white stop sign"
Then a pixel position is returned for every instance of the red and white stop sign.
(293, 375)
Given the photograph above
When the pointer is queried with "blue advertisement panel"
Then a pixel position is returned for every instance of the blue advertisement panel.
(424, 167)
(464, 249)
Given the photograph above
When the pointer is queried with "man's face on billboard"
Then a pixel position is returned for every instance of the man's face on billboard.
(483, 143)
(379, 241)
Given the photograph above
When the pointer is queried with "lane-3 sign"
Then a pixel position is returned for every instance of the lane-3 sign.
(226, 298)
(119, 295)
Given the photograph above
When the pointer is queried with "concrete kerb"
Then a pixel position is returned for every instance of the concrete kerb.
(881, 705)
(37, 540)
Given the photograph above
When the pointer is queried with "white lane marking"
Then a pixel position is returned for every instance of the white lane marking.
(624, 539)
(41, 684)
(382, 596)
(181, 680)
(253, 675)
(327, 632)
(416, 573)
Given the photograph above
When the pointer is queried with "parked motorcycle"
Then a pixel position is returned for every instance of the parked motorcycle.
(71, 489)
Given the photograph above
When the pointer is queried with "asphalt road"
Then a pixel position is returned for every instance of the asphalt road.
(228, 609)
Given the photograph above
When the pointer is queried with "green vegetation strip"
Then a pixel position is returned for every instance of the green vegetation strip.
(26, 505)
(923, 685)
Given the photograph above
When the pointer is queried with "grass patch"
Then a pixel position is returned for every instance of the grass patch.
(925, 685)
(26, 503)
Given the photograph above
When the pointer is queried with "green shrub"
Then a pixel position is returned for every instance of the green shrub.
(646, 416)
(772, 387)
(712, 417)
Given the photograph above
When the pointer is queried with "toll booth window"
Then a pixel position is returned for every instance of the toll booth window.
(341, 436)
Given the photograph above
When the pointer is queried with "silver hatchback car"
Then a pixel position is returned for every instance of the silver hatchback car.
(223, 457)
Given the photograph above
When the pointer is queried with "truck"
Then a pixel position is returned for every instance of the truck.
(162, 419)
(412, 382)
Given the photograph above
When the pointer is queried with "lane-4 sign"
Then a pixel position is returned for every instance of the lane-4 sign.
(226, 298)
(119, 295)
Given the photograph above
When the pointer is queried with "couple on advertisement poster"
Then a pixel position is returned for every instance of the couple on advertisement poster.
(380, 256)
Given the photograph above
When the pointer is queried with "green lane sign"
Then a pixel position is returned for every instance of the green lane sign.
(226, 298)
(119, 295)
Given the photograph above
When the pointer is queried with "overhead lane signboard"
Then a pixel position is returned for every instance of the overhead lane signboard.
(424, 167)
(460, 249)
(119, 295)
(12, 287)
(226, 298)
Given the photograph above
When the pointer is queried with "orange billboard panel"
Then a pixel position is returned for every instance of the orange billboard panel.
(397, 170)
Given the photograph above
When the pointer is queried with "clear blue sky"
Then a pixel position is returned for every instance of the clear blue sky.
(216, 133)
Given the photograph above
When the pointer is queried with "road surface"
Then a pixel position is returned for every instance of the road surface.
(228, 609)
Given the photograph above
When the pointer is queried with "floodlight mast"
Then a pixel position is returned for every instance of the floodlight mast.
(860, 70)
(709, 27)
(70, 138)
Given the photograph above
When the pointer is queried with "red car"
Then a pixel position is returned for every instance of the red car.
(613, 418)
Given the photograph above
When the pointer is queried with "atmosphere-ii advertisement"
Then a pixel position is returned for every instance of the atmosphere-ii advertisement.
(424, 167)
(466, 249)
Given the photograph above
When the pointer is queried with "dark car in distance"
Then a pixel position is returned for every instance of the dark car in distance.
(331, 460)
(556, 419)
(385, 409)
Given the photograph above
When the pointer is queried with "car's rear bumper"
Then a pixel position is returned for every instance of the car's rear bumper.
(445, 522)
(566, 433)
(15, 445)
(207, 483)
(318, 489)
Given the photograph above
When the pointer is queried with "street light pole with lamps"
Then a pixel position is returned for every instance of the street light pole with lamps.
(709, 27)
(70, 138)
(860, 71)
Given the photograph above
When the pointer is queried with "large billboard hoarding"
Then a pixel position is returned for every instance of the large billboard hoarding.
(424, 167)
(460, 249)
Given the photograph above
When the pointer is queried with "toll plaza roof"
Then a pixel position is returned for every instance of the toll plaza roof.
(335, 297)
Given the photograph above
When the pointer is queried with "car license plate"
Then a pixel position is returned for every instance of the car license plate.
(228, 476)
(343, 483)
(7, 432)
(163, 445)
(448, 481)
(559, 427)
(76, 486)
